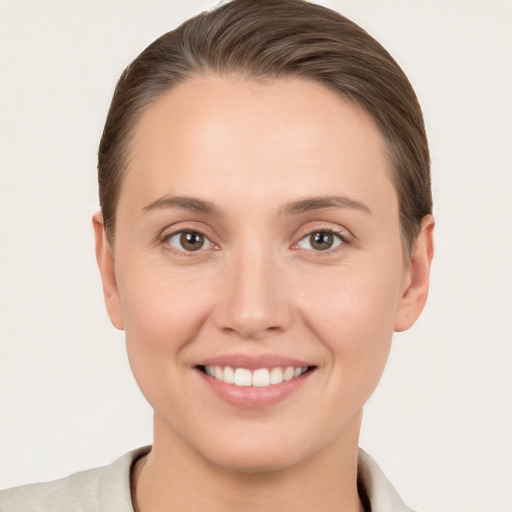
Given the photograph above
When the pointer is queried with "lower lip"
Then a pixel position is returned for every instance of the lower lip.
(254, 397)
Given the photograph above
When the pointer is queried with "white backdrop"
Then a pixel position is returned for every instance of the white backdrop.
(440, 423)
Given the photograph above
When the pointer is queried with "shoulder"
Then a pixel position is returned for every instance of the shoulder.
(378, 491)
(106, 488)
(75, 492)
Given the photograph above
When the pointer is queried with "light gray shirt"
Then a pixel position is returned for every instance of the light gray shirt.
(107, 489)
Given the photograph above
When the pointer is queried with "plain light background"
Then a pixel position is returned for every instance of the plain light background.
(440, 424)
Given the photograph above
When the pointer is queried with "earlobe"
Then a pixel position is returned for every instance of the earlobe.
(106, 265)
(414, 295)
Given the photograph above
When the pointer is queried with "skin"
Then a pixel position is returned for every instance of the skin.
(251, 149)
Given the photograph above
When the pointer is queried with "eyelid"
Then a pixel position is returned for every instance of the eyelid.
(346, 237)
(181, 233)
(178, 228)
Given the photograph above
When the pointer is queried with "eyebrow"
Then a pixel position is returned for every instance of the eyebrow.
(294, 208)
(187, 203)
(317, 203)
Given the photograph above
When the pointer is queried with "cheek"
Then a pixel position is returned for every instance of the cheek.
(352, 313)
(161, 304)
(162, 314)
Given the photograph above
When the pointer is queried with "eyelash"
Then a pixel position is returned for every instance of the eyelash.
(183, 252)
(344, 239)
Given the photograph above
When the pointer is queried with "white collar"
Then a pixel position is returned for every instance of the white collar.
(373, 484)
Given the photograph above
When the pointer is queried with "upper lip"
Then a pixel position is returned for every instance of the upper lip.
(253, 362)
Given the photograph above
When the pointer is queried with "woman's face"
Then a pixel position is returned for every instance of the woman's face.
(257, 230)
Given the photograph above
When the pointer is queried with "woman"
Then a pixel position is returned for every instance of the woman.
(266, 224)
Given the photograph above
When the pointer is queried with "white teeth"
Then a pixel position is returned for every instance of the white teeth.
(229, 375)
(218, 373)
(262, 377)
(243, 377)
(299, 371)
(276, 376)
(288, 373)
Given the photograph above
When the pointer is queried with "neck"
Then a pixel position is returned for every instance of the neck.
(173, 476)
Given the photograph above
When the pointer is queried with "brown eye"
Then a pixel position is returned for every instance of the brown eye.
(320, 241)
(189, 241)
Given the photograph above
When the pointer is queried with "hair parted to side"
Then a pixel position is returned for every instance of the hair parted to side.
(276, 39)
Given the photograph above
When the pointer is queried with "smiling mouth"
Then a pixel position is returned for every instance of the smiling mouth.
(261, 377)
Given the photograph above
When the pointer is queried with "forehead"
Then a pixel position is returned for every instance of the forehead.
(249, 134)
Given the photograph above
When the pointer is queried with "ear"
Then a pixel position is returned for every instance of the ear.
(106, 264)
(416, 282)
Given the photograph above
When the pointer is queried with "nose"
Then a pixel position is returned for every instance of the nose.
(253, 301)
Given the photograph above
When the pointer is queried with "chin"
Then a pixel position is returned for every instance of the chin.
(254, 460)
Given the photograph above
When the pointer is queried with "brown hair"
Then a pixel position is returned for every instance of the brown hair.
(276, 38)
